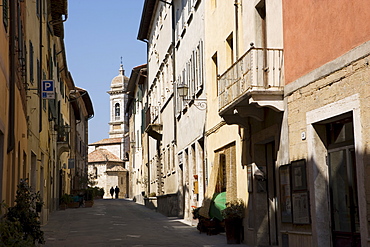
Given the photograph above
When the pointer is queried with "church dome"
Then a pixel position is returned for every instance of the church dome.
(120, 81)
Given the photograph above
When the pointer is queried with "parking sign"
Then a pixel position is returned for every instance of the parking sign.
(48, 91)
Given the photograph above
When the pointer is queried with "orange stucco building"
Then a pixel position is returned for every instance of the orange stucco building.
(326, 93)
(316, 32)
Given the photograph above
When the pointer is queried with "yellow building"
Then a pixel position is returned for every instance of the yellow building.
(14, 126)
(4, 96)
(35, 127)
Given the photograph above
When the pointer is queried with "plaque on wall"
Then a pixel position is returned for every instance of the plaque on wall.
(299, 175)
(285, 194)
(301, 209)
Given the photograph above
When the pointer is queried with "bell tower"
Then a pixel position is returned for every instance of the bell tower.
(118, 124)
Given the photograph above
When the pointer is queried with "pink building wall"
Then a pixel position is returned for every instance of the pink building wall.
(318, 31)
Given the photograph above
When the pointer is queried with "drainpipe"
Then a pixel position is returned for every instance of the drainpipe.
(174, 71)
(236, 4)
(40, 69)
(146, 108)
(12, 76)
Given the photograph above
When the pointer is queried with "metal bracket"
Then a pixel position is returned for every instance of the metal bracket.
(165, 2)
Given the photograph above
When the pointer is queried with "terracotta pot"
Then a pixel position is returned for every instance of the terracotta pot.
(233, 228)
(89, 204)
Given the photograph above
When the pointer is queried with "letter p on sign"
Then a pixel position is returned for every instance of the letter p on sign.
(48, 89)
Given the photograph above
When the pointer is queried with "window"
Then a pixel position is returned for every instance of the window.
(230, 50)
(199, 65)
(5, 13)
(222, 178)
(95, 172)
(31, 63)
(38, 8)
(215, 69)
(117, 110)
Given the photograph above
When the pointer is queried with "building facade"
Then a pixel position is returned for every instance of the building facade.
(326, 96)
(247, 62)
(136, 138)
(36, 130)
(156, 29)
(284, 127)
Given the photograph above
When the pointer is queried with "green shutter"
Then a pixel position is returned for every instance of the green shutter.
(5, 13)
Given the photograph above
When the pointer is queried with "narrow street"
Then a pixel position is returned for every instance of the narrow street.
(122, 223)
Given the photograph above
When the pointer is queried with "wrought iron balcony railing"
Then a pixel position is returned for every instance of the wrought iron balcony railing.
(257, 71)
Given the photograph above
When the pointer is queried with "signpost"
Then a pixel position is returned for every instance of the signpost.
(48, 91)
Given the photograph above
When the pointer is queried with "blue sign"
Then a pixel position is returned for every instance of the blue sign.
(48, 91)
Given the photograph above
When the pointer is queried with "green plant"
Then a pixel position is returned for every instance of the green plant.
(92, 192)
(11, 232)
(195, 212)
(234, 209)
(65, 199)
(20, 225)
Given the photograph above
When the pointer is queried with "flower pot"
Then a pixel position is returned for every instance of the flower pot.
(89, 204)
(73, 205)
(233, 228)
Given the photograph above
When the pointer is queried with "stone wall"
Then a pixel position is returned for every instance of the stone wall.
(343, 90)
(168, 205)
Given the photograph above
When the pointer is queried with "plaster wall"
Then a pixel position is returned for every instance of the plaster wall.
(191, 122)
(321, 32)
(251, 25)
(219, 24)
(160, 38)
(115, 149)
(4, 99)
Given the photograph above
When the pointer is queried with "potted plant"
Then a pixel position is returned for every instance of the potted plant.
(64, 200)
(20, 225)
(233, 215)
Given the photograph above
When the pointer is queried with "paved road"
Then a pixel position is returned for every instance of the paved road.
(122, 223)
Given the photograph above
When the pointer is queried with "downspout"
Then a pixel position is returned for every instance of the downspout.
(40, 68)
(146, 108)
(174, 74)
(12, 76)
(236, 30)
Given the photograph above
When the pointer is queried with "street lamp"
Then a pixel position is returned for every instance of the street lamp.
(183, 91)
(62, 132)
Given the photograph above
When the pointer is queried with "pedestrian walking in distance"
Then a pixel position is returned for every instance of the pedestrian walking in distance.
(117, 191)
(111, 191)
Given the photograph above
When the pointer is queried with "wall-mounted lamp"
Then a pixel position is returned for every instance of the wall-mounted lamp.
(183, 91)
(62, 132)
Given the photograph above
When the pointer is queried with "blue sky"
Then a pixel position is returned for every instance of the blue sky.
(97, 35)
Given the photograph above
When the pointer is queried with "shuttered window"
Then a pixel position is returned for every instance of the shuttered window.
(31, 63)
(5, 13)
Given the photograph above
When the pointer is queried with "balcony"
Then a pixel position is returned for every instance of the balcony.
(252, 82)
(62, 132)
